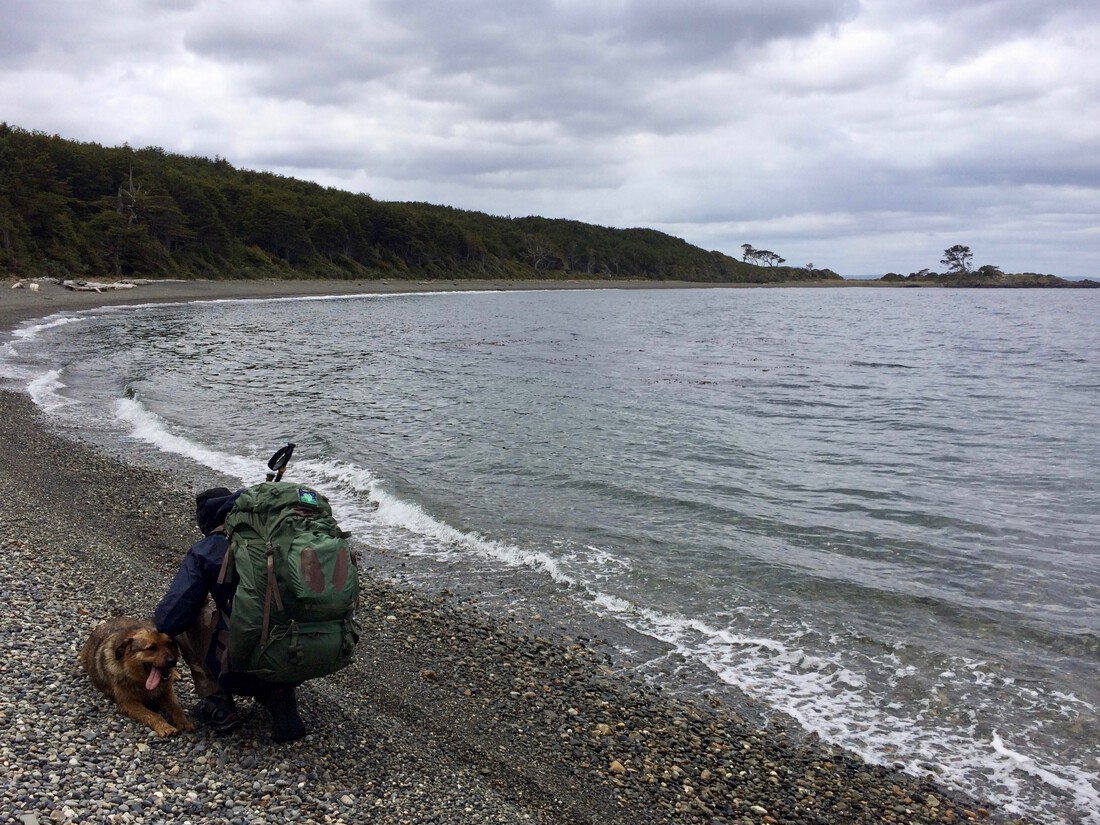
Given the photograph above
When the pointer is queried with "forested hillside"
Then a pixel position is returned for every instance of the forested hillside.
(74, 209)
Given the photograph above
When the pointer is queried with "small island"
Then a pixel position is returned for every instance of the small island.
(960, 273)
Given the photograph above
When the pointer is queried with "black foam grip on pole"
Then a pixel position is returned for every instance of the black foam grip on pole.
(279, 461)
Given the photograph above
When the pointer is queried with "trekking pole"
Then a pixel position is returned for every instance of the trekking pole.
(278, 462)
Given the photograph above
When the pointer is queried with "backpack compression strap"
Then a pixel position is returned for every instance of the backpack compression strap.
(272, 594)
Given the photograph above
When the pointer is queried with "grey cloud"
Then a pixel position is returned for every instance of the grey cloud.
(684, 36)
(75, 37)
(703, 31)
(505, 162)
(279, 35)
(583, 71)
(968, 25)
(588, 70)
(31, 28)
(1025, 169)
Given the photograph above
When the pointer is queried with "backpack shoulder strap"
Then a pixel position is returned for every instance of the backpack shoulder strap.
(227, 560)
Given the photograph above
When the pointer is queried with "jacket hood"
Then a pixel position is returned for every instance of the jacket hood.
(211, 508)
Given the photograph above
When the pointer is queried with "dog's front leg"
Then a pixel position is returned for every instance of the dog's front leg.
(140, 713)
(169, 705)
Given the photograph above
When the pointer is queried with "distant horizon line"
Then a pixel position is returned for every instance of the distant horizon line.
(877, 277)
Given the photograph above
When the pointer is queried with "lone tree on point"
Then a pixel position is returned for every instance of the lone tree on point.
(957, 258)
(758, 255)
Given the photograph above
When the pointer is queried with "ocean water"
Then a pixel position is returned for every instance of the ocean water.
(876, 511)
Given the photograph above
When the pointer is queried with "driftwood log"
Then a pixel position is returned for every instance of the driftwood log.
(94, 286)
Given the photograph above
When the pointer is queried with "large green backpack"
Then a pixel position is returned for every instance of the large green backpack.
(294, 609)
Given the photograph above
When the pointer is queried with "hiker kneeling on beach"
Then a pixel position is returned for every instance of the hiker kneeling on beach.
(284, 586)
(200, 627)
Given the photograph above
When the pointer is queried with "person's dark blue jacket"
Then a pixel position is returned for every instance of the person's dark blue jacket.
(198, 574)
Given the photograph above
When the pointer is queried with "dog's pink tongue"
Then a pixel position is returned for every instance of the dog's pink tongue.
(153, 680)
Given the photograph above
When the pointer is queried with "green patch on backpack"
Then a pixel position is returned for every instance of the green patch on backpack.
(294, 609)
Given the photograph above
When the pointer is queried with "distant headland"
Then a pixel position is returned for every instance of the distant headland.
(80, 211)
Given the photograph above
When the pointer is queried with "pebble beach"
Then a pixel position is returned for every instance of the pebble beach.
(448, 714)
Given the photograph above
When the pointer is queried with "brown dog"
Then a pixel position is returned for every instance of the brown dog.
(133, 664)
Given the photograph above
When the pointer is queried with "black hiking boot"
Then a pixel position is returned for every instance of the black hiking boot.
(282, 703)
(218, 712)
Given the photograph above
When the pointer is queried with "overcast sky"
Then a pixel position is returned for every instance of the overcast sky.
(861, 135)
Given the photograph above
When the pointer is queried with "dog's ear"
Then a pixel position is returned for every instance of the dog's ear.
(124, 647)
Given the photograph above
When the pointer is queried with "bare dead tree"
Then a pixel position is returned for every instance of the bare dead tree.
(128, 199)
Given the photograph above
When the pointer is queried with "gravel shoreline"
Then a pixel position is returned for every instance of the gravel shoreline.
(447, 716)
